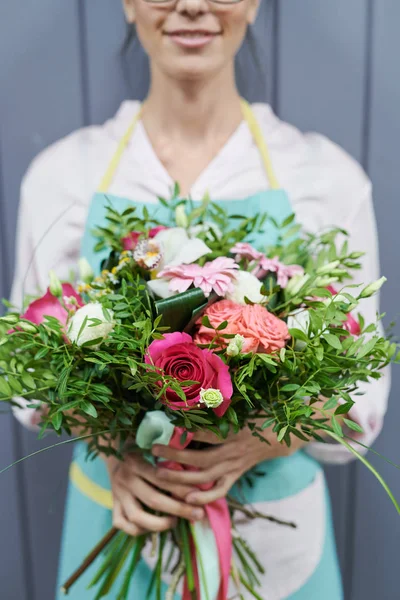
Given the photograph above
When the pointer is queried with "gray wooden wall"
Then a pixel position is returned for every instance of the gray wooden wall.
(331, 67)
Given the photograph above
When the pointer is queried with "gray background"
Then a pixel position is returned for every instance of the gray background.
(331, 67)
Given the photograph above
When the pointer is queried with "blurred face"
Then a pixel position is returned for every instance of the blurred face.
(191, 39)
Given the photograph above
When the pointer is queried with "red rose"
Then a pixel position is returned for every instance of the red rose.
(177, 356)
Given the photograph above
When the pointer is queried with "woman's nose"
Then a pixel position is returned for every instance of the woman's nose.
(192, 8)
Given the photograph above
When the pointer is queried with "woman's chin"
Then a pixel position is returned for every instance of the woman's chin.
(193, 68)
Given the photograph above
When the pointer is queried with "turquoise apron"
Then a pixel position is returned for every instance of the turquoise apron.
(88, 513)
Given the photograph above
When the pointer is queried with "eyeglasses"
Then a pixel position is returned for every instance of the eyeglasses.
(171, 2)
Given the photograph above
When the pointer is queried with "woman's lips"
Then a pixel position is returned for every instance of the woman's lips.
(192, 39)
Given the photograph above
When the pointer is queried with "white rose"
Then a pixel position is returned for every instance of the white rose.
(300, 319)
(92, 330)
(246, 285)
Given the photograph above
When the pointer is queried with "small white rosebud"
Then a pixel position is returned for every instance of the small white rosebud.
(86, 272)
(211, 398)
(81, 334)
(372, 288)
(55, 286)
(181, 219)
(235, 345)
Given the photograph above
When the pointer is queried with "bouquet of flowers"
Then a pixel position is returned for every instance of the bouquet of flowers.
(189, 327)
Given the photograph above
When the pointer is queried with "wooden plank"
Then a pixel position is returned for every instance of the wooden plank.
(320, 87)
(110, 77)
(13, 541)
(321, 55)
(255, 64)
(40, 73)
(377, 527)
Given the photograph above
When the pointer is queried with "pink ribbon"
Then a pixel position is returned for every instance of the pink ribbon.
(218, 516)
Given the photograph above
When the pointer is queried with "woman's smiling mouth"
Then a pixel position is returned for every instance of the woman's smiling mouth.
(192, 38)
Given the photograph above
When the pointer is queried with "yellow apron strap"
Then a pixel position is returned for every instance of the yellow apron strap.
(90, 488)
(252, 123)
(113, 166)
(260, 141)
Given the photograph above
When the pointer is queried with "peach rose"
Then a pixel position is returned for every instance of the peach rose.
(262, 331)
(224, 310)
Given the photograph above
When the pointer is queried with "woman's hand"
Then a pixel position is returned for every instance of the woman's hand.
(222, 464)
(135, 484)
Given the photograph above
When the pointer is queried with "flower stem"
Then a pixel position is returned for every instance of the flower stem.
(89, 559)
(368, 465)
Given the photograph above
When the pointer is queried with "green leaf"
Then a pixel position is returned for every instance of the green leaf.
(343, 409)
(268, 423)
(88, 408)
(353, 426)
(290, 387)
(282, 354)
(297, 334)
(367, 349)
(5, 389)
(336, 427)
(28, 381)
(288, 220)
(282, 433)
(333, 341)
(15, 384)
(57, 420)
(222, 326)
(331, 403)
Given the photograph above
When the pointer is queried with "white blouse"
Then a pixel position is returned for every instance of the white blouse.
(325, 186)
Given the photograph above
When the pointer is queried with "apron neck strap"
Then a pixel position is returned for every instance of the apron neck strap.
(252, 123)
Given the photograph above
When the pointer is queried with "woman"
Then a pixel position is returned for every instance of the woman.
(194, 128)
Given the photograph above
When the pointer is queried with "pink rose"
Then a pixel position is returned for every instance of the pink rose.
(177, 356)
(130, 241)
(351, 325)
(262, 331)
(224, 310)
(49, 305)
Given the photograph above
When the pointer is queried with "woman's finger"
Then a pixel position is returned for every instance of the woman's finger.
(150, 474)
(208, 437)
(138, 515)
(154, 499)
(202, 459)
(186, 479)
(121, 522)
(220, 490)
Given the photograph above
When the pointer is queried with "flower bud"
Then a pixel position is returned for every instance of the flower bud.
(9, 319)
(86, 273)
(296, 283)
(27, 327)
(181, 216)
(55, 286)
(235, 345)
(372, 288)
(211, 398)
(328, 267)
